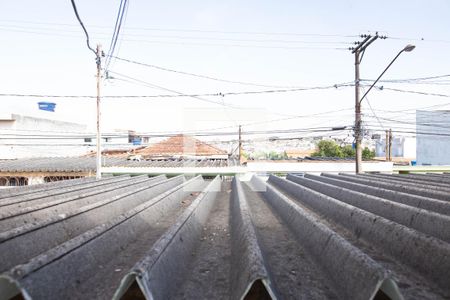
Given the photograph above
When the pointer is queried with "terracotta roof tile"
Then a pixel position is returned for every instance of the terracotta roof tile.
(181, 145)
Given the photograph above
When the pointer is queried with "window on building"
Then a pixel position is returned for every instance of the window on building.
(88, 140)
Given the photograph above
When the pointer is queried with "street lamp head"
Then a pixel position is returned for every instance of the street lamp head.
(409, 48)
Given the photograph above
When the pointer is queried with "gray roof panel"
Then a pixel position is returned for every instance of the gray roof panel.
(312, 237)
(88, 164)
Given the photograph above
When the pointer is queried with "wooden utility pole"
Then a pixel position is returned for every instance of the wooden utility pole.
(240, 144)
(359, 52)
(386, 146)
(390, 144)
(358, 136)
(99, 148)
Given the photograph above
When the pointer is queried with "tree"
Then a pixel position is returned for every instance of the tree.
(331, 149)
(348, 151)
(367, 154)
(328, 149)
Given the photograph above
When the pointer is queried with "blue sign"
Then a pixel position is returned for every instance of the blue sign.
(137, 141)
(48, 106)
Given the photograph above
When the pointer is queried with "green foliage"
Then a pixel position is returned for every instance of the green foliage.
(272, 155)
(367, 154)
(348, 151)
(328, 148)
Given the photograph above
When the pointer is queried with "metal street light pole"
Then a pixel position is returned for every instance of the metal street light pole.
(358, 133)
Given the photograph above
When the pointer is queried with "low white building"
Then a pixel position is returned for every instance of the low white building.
(433, 137)
(401, 147)
(25, 137)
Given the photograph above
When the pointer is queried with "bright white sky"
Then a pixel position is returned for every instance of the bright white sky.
(276, 43)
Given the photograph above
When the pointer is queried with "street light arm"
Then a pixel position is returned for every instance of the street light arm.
(375, 82)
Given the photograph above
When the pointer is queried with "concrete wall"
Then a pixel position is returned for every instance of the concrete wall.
(259, 168)
(433, 137)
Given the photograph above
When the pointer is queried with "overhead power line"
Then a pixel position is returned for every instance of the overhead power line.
(198, 97)
(193, 30)
(198, 75)
(373, 112)
(188, 132)
(178, 94)
(412, 92)
(297, 134)
(410, 79)
(204, 134)
(223, 94)
(305, 34)
(181, 37)
(219, 94)
(184, 43)
(414, 133)
(62, 33)
(82, 26)
(118, 25)
(78, 134)
(412, 111)
(428, 124)
(181, 41)
(222, 103)
(421, 39)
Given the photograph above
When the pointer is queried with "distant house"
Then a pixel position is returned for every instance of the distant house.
(182, 146)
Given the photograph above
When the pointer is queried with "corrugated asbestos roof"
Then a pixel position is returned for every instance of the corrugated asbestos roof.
(86, 164)
(308, 237)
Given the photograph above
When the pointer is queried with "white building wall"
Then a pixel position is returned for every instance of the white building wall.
(23, 136)
(433, 137)
(410, 149)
